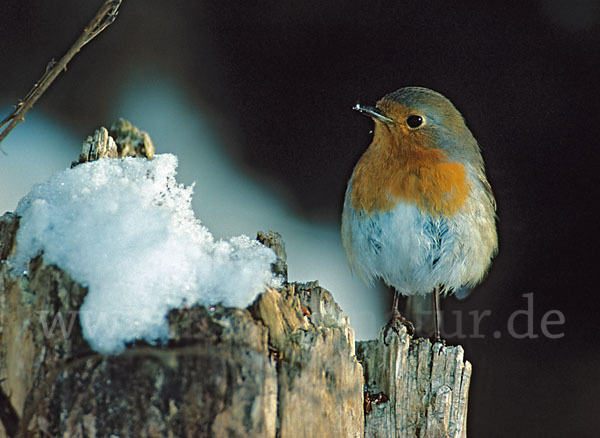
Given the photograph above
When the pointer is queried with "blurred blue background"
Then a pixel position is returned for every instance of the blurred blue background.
(255, 99)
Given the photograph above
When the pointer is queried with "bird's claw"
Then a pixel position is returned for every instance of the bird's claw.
(396, 319)
(437, 338)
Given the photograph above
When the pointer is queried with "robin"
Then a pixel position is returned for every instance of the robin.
(419, 212)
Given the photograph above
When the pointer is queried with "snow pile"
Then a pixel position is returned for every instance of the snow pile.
(126, 230)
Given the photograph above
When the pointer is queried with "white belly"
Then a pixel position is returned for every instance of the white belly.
(415, 252)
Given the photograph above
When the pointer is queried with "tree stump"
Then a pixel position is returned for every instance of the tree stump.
(414, 388)
(284, 367)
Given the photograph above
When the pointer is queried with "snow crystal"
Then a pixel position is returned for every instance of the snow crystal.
(125, 229)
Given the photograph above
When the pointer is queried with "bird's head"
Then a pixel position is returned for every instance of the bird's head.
(417, 117)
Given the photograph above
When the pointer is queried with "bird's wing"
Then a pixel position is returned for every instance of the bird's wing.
(487, 187)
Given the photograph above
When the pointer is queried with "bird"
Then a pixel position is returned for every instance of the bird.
(419, 212)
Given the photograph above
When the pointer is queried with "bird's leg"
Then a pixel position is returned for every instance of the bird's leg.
(396, 318)
(436, 315)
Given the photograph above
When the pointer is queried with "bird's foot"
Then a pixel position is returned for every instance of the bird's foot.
(395, 322)
(437, 338)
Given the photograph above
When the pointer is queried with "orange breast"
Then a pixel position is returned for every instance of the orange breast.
(414, 174)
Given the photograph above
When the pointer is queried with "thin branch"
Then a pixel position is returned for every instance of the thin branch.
(105, 16)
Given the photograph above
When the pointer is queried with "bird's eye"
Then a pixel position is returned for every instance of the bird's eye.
(414, 121)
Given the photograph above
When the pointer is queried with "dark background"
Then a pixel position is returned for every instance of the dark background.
(282, 77)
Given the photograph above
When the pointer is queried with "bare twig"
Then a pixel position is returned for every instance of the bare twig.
(103, 18)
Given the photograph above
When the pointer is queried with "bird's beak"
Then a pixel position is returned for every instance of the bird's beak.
(373, 113)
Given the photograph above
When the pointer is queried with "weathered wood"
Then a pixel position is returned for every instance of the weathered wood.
(284, 367)
(122, 140)
(320, 381)
(418, 389)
